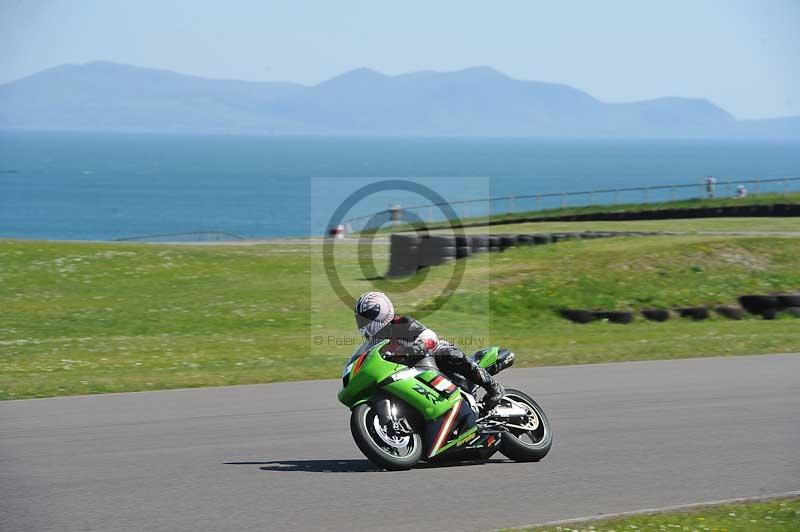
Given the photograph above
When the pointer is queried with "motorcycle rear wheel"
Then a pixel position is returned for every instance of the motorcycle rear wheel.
(527, 445)
(395, 454)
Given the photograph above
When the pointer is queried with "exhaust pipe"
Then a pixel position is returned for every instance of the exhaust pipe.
(508, 412)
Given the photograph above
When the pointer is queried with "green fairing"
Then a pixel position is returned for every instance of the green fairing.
(488, 358)
(375, 369)
(426, 400)
(364, 384)
(428, 375)
(459, 440)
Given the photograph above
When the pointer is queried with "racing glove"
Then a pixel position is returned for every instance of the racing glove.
(421, 347)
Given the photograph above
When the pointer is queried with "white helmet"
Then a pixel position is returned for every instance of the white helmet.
(373, 311)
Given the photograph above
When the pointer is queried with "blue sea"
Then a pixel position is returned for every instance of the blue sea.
(107, 186)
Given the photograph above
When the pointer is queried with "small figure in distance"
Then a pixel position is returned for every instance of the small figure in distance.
(711, 182)
(741, 192)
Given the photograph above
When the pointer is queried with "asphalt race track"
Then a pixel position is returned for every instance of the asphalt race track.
(280, 457)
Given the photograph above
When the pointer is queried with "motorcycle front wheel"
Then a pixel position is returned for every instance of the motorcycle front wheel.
(386, 451)
(532, 442)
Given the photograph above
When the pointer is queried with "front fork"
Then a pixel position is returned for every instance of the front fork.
(387, 415)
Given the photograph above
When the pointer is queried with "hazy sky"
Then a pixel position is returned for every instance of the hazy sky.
(742, 55)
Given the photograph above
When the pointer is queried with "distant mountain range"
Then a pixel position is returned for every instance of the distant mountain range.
(103, 96)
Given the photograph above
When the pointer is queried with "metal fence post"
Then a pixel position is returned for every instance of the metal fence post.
(538, 200)
(563, 202)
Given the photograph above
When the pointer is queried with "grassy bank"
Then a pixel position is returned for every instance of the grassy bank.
(80, 318)
(781, 515)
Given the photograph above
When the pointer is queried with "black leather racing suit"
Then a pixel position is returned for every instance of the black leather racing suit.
(410, 340)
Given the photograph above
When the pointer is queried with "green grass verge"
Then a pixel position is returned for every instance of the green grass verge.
(697, 203)
(782, 515)
(78, 318)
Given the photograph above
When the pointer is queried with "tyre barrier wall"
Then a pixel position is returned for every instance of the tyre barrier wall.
(408, 253)
(733, 211)
(766, 306)
(404, 259)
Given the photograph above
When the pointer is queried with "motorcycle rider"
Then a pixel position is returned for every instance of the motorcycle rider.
(410, 340)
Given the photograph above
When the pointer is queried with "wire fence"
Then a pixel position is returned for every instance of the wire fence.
(189, 236)
(532, 203)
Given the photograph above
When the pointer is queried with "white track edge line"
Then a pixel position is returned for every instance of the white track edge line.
(648, 511)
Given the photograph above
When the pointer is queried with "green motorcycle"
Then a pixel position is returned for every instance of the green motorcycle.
(401, 415)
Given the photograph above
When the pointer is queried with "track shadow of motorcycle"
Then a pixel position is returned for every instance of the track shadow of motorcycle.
(347, 466)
